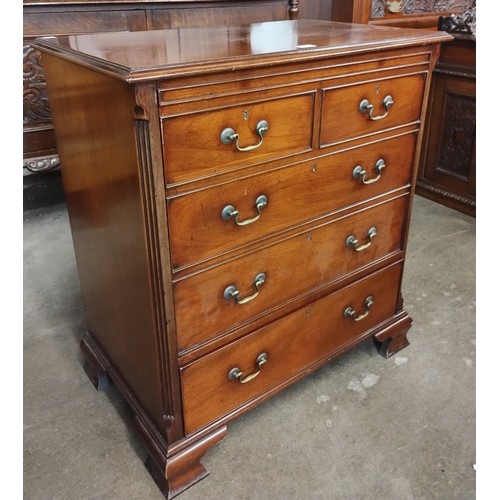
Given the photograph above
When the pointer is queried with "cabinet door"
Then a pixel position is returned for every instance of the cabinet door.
(447, 171)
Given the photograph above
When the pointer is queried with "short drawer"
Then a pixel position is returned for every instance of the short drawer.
(293, 195)
(207, 143)
(213, 385)
(362, 109)
(212, 302)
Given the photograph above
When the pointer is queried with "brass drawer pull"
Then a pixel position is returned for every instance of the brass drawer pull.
(229, 212)
(236, 373)
(228, 135)
(231, 292)
(366, 107)
(352, 242)
(360, 173)
(351, 313)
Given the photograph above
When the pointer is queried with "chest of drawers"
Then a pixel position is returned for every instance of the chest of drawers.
(239, 199)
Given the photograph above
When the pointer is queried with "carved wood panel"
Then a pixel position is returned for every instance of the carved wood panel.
(379, 8)
(36, 108)
(456, 145)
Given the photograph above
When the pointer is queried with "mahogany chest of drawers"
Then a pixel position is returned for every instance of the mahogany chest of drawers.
(239, 199)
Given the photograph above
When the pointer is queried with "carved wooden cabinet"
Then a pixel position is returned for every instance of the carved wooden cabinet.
(239, 198)
(447, 167)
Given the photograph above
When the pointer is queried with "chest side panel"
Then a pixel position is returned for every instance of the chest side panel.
(95, 126)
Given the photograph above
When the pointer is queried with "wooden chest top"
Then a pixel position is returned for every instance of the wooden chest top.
(149, 55)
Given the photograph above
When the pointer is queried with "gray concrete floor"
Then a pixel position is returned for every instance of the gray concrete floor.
(361, 428)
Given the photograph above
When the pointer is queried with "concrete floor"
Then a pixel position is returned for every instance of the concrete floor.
(361, 428)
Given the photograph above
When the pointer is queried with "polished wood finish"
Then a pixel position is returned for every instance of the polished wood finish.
(202, 312)
(330, 177)
(406, 92)
(58, 17)
(200, 132)
(147, 177)
(208, 394)
(447, 169)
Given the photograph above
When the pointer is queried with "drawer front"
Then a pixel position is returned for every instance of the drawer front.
(204, 144)
(208, 303)
(342, 119)
(291, 345)
(293, 195)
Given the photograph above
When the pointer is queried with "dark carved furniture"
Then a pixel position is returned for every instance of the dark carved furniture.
(447, 170)
(404, 13)
(58, 17)
(239, 198)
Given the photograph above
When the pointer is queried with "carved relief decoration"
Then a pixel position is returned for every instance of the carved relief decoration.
(380, 7)
(457, 141)
(41, 164)
(36, 106)
(427, 6)
(462, 24)
(445, 193)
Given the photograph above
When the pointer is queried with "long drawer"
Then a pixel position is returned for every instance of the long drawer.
(201, 225)
(221, 298)
(357, 110)
(206, 143)
(220, 382)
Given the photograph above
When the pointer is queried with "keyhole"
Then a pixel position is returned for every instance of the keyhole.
(245, 114)
(377, 89)
(309, 236)
(313, 167)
